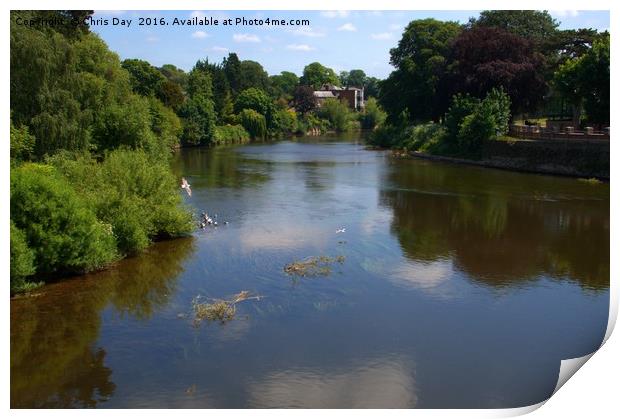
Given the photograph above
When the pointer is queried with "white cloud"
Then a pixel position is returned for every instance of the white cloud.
(152, 39)
(396, 26)
(219, 49)
(382, 36)
(335, 13)
(309, 32)
(349, 27)
(245, 37)
(567, 13)
(109, 12)
(220, 16)
(197, 13)
(300, 47)
(200, 34)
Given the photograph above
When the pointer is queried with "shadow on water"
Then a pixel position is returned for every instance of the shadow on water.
(502, 229)
(54, 358)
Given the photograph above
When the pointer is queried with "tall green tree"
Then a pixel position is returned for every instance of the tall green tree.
(253, 75)
(232, 68)
(145, 79)
(284, 84)
(315, 75)
(420, 59)
(534, 25)
(585, 83)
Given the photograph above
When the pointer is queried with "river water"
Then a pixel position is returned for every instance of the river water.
(457, 286)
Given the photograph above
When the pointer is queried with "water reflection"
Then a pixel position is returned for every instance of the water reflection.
(55, 361)
(498, 227)
(375, 383)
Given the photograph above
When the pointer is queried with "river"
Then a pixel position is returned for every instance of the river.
(456, 287)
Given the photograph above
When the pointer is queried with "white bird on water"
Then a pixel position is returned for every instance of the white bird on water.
(342, 230)
(185, 185)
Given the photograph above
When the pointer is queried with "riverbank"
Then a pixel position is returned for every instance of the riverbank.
(575, 158)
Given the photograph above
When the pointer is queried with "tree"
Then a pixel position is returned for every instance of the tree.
(316, 75)
(337, 113)
(373, 115)
(255, 99)
(254, 123)
(488, 57)
(584, 82)
(174, 74)
(420, 60)
(284, 84)
(232, 69)
(303, 99)
(356, 78)
(252, 74)
(534, 25)
(145, 79)
(198, 112)
(171, 95)
(371, 88)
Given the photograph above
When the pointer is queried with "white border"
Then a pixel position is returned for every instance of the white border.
(593, 392)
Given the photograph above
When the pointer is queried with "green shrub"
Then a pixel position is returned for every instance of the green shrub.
(254, 123)
(22, 261)
(498, 104)
(22, 143)
(476, 129)
(424, 137)
(373, 115)
(388, 135)
(132, 191)
(337, 113)
(230, 134)
(284, 122)
(461, 106)
(59, 226)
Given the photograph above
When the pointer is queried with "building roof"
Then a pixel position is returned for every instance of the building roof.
(323, 94)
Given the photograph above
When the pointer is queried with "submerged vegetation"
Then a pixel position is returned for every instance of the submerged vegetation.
(220, 310)
(313, 266)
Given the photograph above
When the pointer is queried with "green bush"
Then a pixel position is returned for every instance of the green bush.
(133, 192)
(230, 134)
(337, 113)
(59, 226)
(22, 143)
(388, 136)
(476, 129)
(461, 106)
(373, 115)
(424, 137)
(498, 104)
(284, 122)
(22, 261)
(254, 123)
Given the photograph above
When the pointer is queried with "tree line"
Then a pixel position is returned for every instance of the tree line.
(520, 57)
(91, 137)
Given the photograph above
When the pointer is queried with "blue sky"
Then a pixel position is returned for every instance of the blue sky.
(340, 40)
